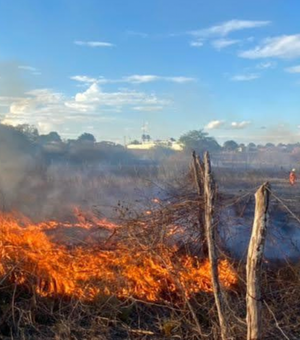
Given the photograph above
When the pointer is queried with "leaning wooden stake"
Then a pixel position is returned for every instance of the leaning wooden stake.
(198, 168)
(254, 262)
(209, 191)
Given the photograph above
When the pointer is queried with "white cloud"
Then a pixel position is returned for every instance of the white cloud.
(79, 107)
(38, 106)
(27, 68)
(137, 79)
(223, 30)
(134, 79)
(221, 124)
(93, 43)
(44, 105)
(245, 77)
(196, 43)
(148, 108)
(32, 70)
(227, 27)
(284, 46)
(266, 65)
(215, 124)
(84, 79)
(293, 69)
(223, 43)
(240, 125)
(179, 80)
(94, 95)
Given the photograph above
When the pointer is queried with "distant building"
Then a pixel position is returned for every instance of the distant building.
(150, 144)
(241, 148)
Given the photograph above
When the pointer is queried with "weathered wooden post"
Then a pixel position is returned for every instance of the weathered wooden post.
(198, 168)
(198, 173)
(254, 262)
(209, 194)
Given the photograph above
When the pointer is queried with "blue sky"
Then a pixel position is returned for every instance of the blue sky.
(107, 67)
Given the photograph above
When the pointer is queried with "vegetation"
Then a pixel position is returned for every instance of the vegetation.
(192, 140)
(31, 309)
(230, 145)
(155, 209)
(51, 137)
(86, 137)
(200, 141)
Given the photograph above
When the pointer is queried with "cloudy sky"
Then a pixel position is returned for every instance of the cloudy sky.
(107, 67)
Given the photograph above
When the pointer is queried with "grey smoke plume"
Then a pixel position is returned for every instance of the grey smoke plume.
(43, 188)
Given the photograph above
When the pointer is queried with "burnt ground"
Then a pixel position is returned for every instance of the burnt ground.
(237, 206)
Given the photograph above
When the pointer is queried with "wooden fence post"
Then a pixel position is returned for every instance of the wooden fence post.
(198, 168)
(198, 173)
(210, 192)
(254, 261)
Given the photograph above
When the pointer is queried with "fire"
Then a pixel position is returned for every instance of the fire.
(31, 257)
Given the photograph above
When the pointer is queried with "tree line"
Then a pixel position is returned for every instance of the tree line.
(85, 149)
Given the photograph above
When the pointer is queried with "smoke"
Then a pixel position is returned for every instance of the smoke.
(281, 133)
(12, 84)
(46, 190)
(45, 185)
(283, 234)
(16, 161)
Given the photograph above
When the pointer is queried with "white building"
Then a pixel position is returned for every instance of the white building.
(151, 144)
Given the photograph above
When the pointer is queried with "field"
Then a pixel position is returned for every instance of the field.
(117, 255)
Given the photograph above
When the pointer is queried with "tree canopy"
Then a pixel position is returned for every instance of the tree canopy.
(199, 141)
(86, 137)
(230, 145)
(30, 131)
(49, 138)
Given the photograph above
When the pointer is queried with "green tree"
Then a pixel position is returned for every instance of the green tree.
(49, 138)
(30, 131)
(199, 141)
(86, 137)
(251, 147)
(230, 145)
(270, 145)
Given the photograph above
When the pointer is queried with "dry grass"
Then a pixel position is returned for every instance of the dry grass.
(26, 315)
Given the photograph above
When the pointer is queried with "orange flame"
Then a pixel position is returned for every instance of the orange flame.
(29, 256)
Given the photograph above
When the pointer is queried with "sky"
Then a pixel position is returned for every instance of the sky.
(111, 67)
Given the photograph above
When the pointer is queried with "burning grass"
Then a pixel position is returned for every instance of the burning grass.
(118, 266)
(94, 279)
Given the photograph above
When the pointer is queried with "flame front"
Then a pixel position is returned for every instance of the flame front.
(30, 257)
